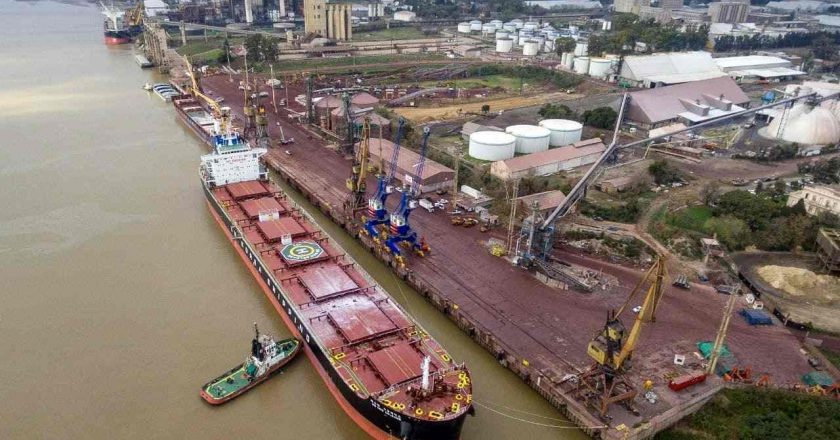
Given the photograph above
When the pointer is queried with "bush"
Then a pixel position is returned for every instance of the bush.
(664, 173)
(601, 117)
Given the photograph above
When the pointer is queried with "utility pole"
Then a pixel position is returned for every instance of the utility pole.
(273, 83)
(455, 182)
(721, 334)
(286, 86)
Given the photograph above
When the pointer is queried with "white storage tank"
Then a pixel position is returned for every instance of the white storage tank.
(530, 138)
(563, 131)
(515, 39)
(581, 65)
(530, 48)
(530, 26)
(496, 23)
(510, 27)
(504, 45)
(463, 28)
(502, 34)
(581, 49)
(488, 29)
(570, 61)
(600, 67)
(475, 25)
(492, 145)
(519, 23)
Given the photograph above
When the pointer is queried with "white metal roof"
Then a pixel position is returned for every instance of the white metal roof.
(671, 65)
(770, 72)
(678, 78)
(751, 61)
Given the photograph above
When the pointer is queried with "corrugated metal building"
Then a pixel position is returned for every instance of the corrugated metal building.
(549, 161)
(668, 68)
(435, 175)
(758, 67)
(688, 103)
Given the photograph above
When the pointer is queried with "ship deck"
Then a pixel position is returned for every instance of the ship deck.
(373, 345)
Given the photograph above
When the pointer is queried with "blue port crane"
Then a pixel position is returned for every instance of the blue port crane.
(377, 211)
(401, 233)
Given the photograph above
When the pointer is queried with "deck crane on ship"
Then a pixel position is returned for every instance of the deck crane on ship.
(604, 383)
(377, 211)
(401, 233)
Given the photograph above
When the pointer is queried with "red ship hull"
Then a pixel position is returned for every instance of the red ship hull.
(113, 41)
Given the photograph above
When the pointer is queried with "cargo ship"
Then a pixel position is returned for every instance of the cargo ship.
(197, 118)
(386, 372)
(116, 30)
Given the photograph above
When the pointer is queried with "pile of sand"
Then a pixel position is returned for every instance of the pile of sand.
(801, 282)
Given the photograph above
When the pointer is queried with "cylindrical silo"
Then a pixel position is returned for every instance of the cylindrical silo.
(530, 138)
(510, 27)
(519, 23)
(540, 42)
(600, 67)
(496, 23)
(504, 45)
(530, 48)
(463, 28)
(475, 25)
(502, 34)
(563, 131)
(581, 49)
(581, 65)
(549, 45)
(530, 26)
(514, 38)
(492, 145)
(570, 61)
(488, 29)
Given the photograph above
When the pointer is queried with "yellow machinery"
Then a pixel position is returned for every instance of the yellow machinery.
(611, 349)
(357, 181)
(220, 113)
(134, 17)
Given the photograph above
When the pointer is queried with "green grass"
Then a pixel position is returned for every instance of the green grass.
(832, 356)
(396, 33)
(760, 414)
(491, 81)
(692, 218)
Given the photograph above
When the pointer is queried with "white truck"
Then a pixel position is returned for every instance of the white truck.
(427, 205)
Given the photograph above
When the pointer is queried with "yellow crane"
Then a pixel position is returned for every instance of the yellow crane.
(134, 17)
(219, 112)
(611, 349)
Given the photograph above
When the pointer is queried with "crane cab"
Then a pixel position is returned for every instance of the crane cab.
(608, 343)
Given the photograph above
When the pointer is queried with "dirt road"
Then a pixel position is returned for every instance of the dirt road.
(418, 115)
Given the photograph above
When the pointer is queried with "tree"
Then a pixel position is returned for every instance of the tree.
(663, 172)
(601, 117)
(269, 48)
(755, 210)
(485, 108)
(225, 56)
(710, 193)
(731, 231)
(557, 111)
(564, 44)
(253, 46)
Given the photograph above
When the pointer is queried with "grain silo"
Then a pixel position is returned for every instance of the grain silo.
(563, 131)
(581, 65)
(502, 34)
(504, 45)
(496, 23)
(463, 28)
(581, 49)
(510, 27)
(518, 23)
(530, 138)
(488, 29)
(475, 25)
(492, 145)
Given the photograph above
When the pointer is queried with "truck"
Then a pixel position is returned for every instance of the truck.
(427, 205)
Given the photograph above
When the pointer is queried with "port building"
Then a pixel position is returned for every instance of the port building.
(689, 103)
(435, 175)
(752, 68)
(818, 199)
(550, 161)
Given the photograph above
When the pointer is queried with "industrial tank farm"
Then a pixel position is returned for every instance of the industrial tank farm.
(563, 131)
(492, 145)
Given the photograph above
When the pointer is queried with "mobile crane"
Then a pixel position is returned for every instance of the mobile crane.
(401, 233)
(611, 349)
(377, 211)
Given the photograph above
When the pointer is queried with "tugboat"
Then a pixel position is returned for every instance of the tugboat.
(267, 356)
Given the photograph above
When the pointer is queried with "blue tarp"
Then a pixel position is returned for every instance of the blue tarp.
(756, 317)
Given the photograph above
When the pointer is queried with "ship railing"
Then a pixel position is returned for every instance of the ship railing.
(416, 381)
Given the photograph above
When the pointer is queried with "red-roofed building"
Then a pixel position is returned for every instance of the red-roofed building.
(550, 161)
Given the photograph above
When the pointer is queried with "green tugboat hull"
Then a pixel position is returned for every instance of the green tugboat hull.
(237, 381)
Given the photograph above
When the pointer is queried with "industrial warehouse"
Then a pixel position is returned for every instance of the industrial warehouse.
(634, 208)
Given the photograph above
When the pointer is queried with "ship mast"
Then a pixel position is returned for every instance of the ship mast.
(426, 385)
